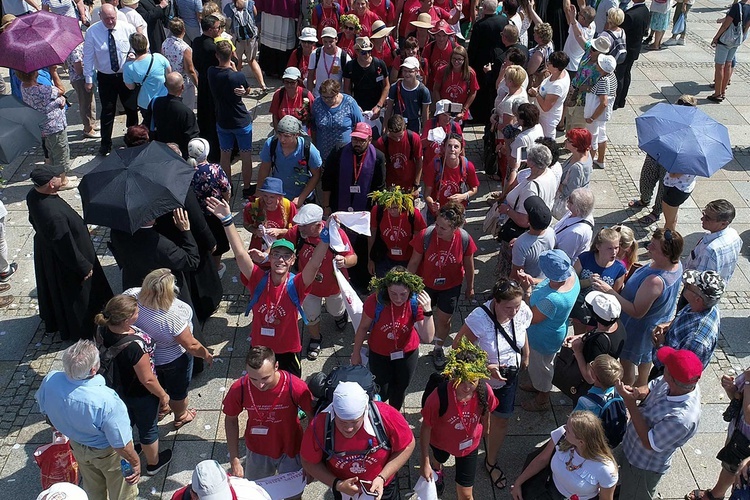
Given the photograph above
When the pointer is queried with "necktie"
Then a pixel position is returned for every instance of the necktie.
(113, 59)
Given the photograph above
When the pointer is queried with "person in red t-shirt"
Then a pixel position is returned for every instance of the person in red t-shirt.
(385, 10)
(409, 48)
(293, 98)
(327, 15)
(358, 461)
(393, 224)
(438, 53)
(394, 336)
(457, 82)
(448, 256)
(384, 47)
(350, 30)
(306, 234)
(450, 179)
(443, 119)
(271, 210)
(300, 57)
(275, 314)
(403, 155)
(459, 430)
(273, 434)
(365, 15)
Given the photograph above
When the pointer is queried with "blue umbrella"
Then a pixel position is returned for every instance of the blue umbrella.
(684, 139)
(19, 128)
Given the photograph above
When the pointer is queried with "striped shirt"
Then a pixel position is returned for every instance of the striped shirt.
(718, 252)
(672, 421)
(164, 327)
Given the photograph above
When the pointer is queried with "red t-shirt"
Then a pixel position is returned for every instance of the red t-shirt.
(325, 283)
(347, 45)
(400, 167)
(454, 87)
(329, 18)
(388, 334)
(409, 14)
(443, 260)
(275, 322)
(386, 55)
(397, 233)
(281, 218)
(366, 21)
(452, 432)
(431, 149)
(282, 105)
(364, 466)
(450, 184)
(301, 63)
(273, 427)
(387, 16)
(437, 58)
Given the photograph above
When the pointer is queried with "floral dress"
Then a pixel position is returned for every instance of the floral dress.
(173, 49)
(209, 180)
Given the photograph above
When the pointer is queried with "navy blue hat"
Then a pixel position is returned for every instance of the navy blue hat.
(273, 185)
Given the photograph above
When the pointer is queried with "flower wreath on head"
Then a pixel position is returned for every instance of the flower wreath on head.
(466, 363)
(394, 197)
(351, 19)
(414, 283)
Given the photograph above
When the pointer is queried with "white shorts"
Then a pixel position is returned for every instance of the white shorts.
(313, 305)
(541, 370)
(598, 129)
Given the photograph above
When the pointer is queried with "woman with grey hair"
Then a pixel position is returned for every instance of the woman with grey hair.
(574, 231)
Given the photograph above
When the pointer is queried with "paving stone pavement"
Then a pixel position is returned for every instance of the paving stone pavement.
(27, 354)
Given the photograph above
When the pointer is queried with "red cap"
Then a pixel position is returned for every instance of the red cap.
(684, 365)
(362, 131)
(443, 26)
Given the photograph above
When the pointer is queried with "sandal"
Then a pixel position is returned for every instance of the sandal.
(637, 203)
(699, 494)
(313, 348)
(715, 98)
(191, 413)
(164, 414)
(342, 321)
(499, 483)
(648, 219)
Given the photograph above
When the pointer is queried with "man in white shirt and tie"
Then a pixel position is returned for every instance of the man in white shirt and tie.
(105, 50)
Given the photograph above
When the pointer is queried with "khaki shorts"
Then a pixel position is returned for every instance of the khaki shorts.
(247, 47)
(541, 370)
(313, 306)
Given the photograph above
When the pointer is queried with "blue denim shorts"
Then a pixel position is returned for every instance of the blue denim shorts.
(175, 376)
(144, 414)
(724, 54)
(506, 399)
(244, 138)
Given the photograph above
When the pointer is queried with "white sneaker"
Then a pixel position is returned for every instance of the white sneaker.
(681, 41)
(222, 269)
(671, 42)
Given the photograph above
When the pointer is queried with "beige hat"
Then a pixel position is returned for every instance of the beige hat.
(380, 30)
(423, 21)
(129, 2)
(602, 44)
(362, 43)
(329, 32)
(6, 20)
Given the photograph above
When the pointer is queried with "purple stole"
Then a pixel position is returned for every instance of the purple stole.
(355, 201)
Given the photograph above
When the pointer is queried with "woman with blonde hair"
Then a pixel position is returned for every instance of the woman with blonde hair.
(134, 375)
(628, 253)
(169, 321)
(576, 461)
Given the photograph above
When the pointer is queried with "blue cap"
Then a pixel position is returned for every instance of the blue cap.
(273, 185)
(555, 264)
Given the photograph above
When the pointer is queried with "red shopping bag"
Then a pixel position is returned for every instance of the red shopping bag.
(56, 461)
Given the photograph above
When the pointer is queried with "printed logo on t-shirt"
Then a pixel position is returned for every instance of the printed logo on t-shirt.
(454, 91)
(395, 234)
(271, 314)
(392, 327)
(398, 160)
(442, 258)
(450, 188)
(587, 273)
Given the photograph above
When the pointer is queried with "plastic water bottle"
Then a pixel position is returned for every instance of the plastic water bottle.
(126, 468)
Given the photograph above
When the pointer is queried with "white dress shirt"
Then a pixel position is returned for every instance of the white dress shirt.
(96, 50)
(134, 17)
(573, 235)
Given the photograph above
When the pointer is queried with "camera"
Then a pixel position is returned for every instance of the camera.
(734, 408)
(508, 372)
(455, 108)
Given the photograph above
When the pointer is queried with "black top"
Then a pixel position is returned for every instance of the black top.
(204, 55)
(174, 122)
(128, 383)
(231, 112)
(366, 83)
(599, 344)
(155, 18)
(486, 36)
(635, 25)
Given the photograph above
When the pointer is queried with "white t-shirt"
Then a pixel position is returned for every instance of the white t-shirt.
(585, 481)
(330, 67)
(544, 186)
(493, 343)
(527, 138)
(549, 119)
(505, 106)
(556, 169)
(502, 91)
(134, 18)
(573, 48)
(573, 235)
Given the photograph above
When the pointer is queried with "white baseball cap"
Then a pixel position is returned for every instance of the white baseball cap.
(329, 32)
(410, 63)
(604, 305)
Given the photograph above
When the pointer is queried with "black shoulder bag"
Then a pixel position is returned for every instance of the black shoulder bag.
(132, 101)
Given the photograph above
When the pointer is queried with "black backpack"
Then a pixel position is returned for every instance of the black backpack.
(107, 357)
(440, 382)
(613, 415)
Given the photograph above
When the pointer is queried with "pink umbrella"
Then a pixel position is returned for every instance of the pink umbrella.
(38, 40)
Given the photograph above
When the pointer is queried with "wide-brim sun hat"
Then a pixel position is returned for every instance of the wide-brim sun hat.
(423, 21)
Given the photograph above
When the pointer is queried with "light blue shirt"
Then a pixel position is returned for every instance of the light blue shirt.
(153, 86)
(189, 10)
(289, 169)
(87, 411)
(586, 404)
(546, 336)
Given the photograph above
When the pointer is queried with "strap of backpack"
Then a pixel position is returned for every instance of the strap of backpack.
(317, 57)
(294, 296)
(256, 294)
(427, 237)
(442, 391)
(379, 306)
(465, 238)
(274, 144)
(414, 305)
(377, 424)
(596, 399)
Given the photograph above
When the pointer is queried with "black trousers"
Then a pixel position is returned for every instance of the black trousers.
(110, 88)
(623, 81)
(393, 377)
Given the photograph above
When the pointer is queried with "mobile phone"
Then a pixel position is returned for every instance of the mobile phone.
(365, 486)
(523, 154)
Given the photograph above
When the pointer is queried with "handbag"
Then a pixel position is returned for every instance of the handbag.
(732, 36)
(741, 492)
(738, 447)
(493, 220)
(510, 230)
(56, 461)
(679, 25)
(132, 101)
(567, 376)
(571, 100)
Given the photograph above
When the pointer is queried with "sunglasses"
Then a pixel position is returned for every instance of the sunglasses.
(507, 285)
(349, 28)
(365, 52)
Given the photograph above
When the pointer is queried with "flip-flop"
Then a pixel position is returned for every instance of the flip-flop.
(191, 413)
(637, 203)
(648, 219)
(499, 483)
(699, 494)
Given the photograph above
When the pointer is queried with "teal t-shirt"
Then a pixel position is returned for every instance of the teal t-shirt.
(546, 337)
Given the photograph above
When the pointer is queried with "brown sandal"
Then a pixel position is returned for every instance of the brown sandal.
(191, 413)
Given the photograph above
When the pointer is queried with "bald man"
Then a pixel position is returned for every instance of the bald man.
(172, 120)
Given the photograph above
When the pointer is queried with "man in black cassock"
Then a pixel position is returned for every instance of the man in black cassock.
(155, 15)
(70, 282)
(173, 120)
(204, 56)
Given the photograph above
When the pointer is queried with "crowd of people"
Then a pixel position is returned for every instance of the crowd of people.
(370, 120)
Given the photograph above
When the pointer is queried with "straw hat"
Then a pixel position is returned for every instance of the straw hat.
(423, 21)
(380, 30)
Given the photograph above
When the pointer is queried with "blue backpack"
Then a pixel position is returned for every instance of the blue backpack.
(613, 415)
(290, 289)
(379, 306)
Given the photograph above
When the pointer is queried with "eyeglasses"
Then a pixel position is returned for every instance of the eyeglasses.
(458, 59)
(328, 97)
(365, 52)
(281, 256)
(349, 28)
(668, 235)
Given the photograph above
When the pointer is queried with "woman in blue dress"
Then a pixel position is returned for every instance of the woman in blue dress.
(334, 117)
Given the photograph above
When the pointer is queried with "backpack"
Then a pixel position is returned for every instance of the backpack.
(379, 306)
(275, 143)
(379, 250)
(291, 290)
(344, 58)
(107, 357)
(440, 382)
(619, 49)
(465, 238)
(613, 415)
(319, 10)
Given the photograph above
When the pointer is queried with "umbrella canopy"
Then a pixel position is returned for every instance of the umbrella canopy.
(135, 185)
(19, 128)
(684, 139)
(38, 40)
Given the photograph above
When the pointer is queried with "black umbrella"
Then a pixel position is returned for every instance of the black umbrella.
(135, 185)
(19, 128)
